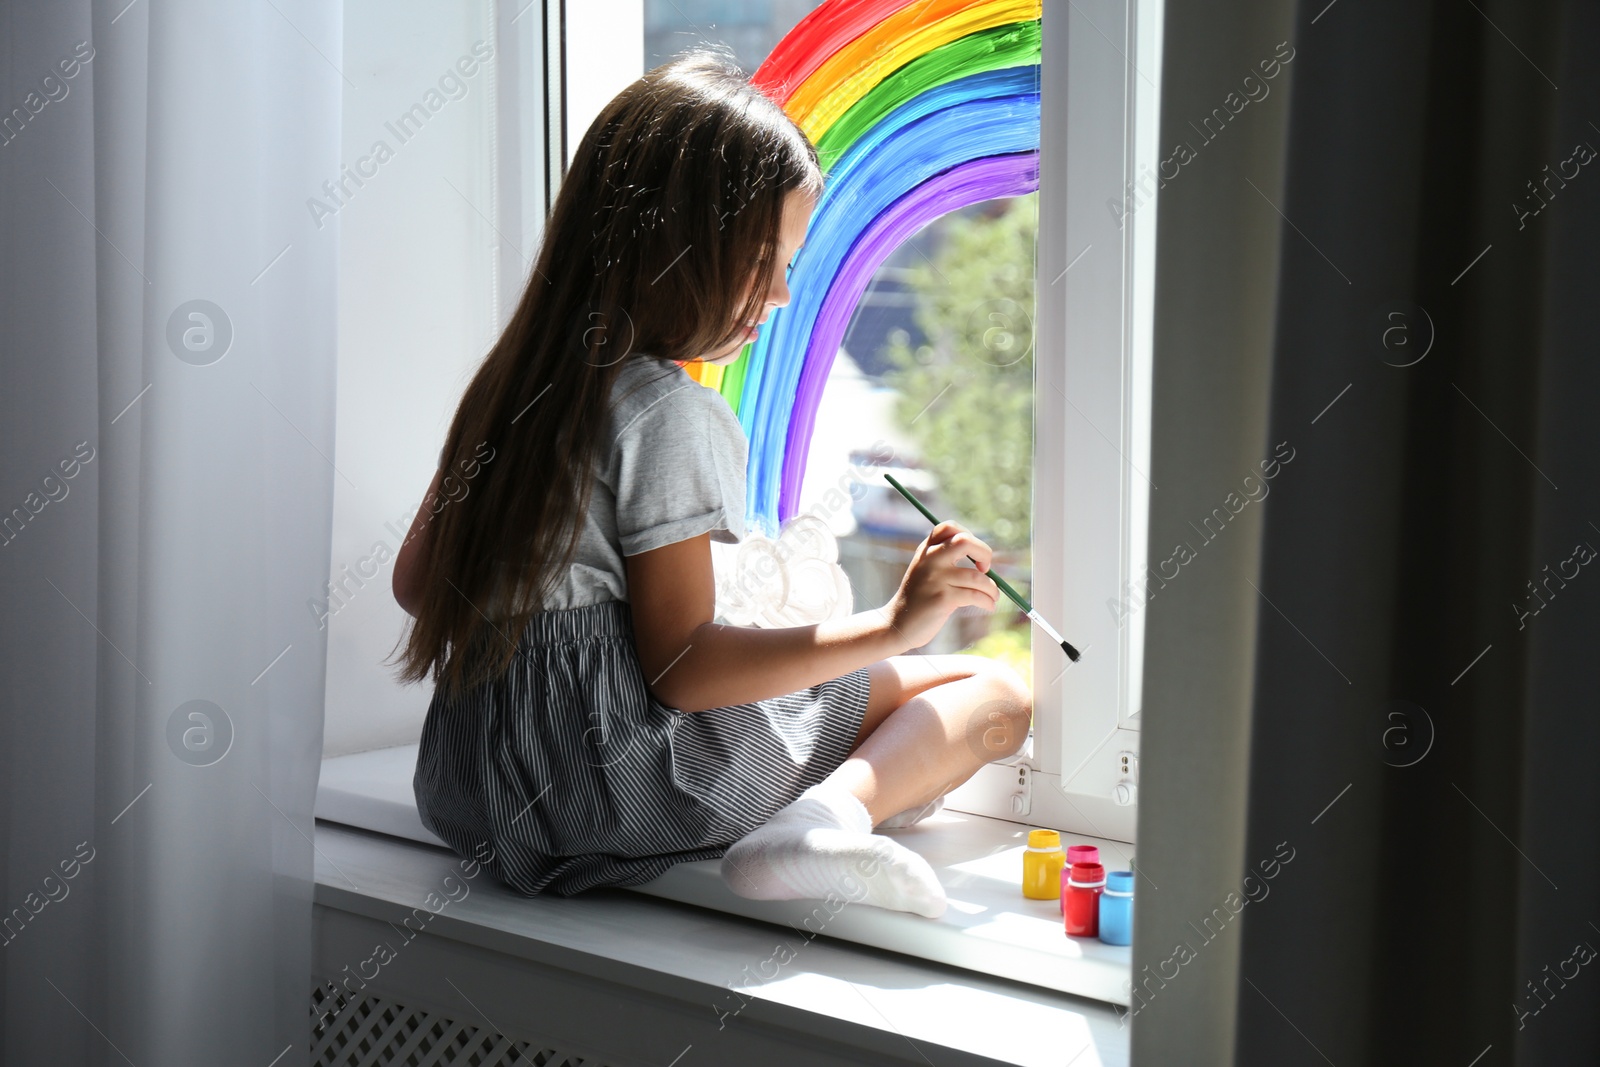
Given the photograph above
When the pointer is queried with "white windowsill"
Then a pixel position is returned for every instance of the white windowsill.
(990, 928)
(640, 944)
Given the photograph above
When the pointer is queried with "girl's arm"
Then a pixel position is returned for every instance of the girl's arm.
(406, 582)
(692, 663)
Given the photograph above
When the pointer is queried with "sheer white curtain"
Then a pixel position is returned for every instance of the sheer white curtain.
(168, 330)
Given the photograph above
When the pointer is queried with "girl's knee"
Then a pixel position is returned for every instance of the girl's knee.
(1008, 686)
(999, 723)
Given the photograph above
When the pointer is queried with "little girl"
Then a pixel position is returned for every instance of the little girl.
(591, 725)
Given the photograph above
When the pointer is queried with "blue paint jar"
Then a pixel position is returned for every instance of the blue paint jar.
(1116, 909)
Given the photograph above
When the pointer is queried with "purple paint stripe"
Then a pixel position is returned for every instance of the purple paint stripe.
(969, 183)
(916, 144)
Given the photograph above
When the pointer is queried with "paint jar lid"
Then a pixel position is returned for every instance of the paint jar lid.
(1083, 854)
(1044, 839)
(1120, 883)
(1087, 875)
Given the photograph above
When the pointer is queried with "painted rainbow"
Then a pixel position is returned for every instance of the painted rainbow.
(917, 108)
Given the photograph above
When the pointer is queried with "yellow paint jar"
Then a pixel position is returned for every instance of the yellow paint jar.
(1042, 861)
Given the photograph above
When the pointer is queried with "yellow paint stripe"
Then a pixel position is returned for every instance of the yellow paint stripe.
(707, 374)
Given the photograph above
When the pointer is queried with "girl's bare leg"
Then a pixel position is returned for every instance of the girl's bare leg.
(931, 723)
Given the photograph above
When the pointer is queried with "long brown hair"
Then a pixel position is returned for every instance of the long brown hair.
(670, 209)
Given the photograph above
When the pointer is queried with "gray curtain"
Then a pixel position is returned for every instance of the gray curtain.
(1373, 818)
(168, 323)
(1217, 260)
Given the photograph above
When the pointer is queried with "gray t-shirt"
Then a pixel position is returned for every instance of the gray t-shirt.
(672, 468)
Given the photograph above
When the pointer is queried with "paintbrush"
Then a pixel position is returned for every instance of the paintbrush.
(1005, 586)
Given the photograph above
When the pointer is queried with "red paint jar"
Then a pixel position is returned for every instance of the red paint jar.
(1075, 854)
(1080, 899)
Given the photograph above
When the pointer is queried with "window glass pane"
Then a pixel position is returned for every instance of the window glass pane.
(748, 28)
(938, 363)
(932, 382)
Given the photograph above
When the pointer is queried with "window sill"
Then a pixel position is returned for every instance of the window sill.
(631, 952)
(990, 928)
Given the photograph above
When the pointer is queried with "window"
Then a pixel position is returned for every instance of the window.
(1068, 270)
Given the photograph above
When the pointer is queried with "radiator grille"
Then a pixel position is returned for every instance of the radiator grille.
(370, 1031)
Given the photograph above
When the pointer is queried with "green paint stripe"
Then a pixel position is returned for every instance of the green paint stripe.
(1012, 45)
(732, 386)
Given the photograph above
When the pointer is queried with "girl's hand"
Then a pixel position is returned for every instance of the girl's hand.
(939, 581)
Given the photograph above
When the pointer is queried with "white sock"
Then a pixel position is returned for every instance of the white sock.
(911, 816)
(823, 843)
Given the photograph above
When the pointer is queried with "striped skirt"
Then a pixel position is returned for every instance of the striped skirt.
(565, 773)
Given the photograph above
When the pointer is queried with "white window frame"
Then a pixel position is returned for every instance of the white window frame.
(1092, 402)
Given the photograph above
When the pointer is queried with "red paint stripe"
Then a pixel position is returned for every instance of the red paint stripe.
(819, 35)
